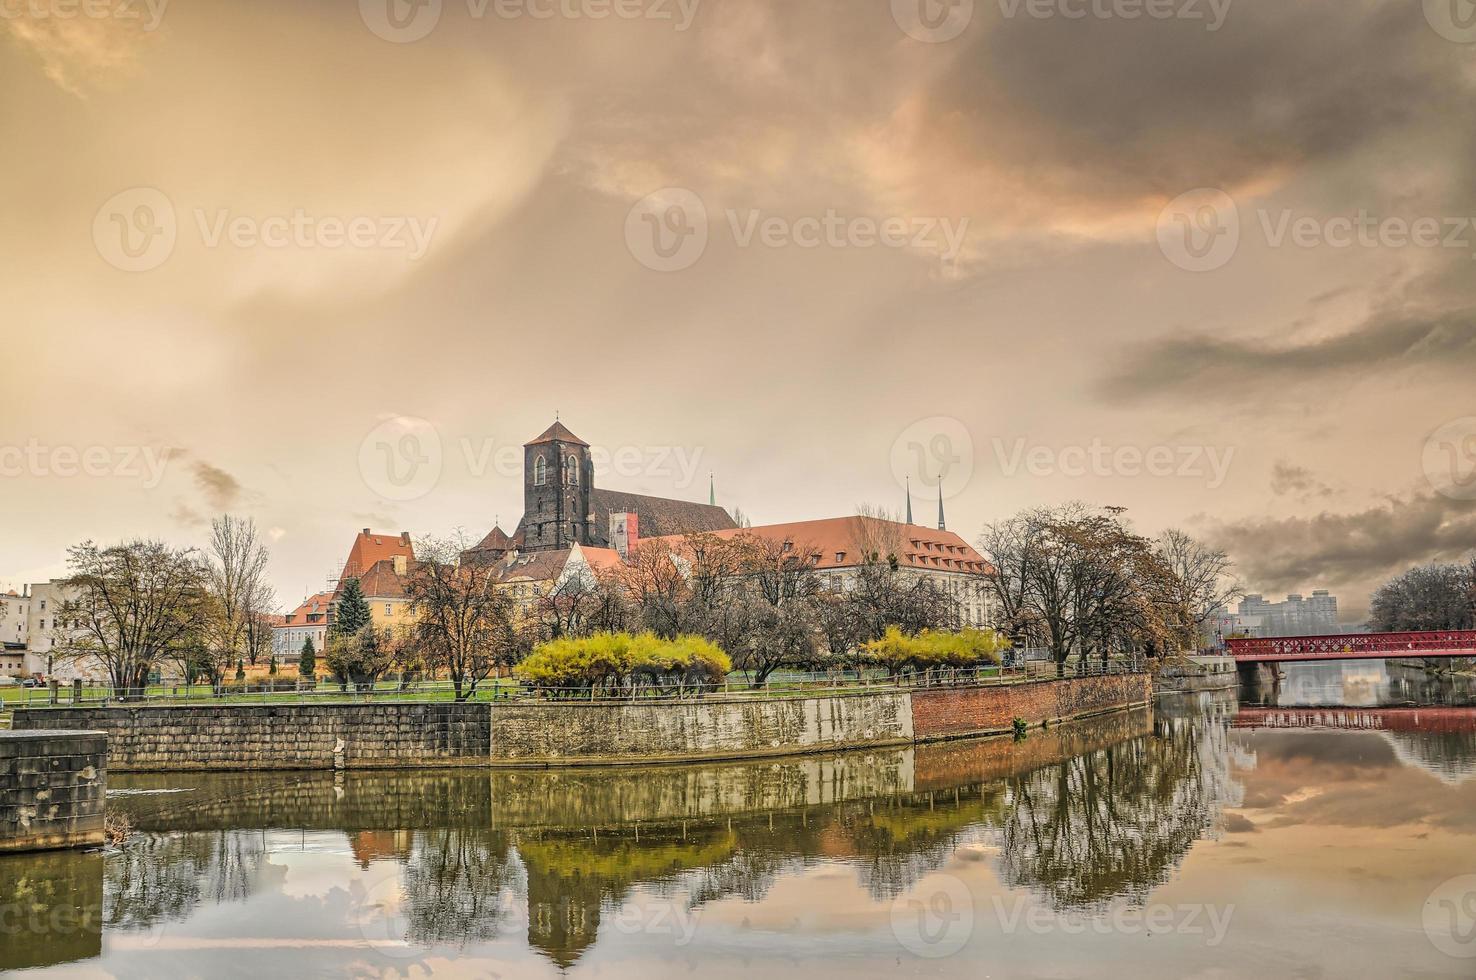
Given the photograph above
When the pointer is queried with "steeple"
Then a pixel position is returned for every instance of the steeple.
(711, 491)
(909, 500)
(942, 524)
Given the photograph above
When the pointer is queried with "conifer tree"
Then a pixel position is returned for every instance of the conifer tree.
(307, 662)
(353, 610)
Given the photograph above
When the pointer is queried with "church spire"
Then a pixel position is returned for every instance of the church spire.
(711, 491)
(909, 500)
(942, 524)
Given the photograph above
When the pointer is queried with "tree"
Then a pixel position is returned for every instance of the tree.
(361, 658)
(131, 605)
(463, 621)
(1199, 581)
(1081, 581)
(307, 661)
(235, 564)
(1438, 596)
(352, 614)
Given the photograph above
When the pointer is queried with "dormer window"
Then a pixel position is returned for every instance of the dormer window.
(540, 471)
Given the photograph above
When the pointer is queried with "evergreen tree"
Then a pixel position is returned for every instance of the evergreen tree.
(307, 662)
(272, 670)
(353, 610)
(240, 670)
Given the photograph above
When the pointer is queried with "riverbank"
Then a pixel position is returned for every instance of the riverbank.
(561, 733)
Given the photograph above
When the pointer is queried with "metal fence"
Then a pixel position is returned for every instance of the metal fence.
(735, 686)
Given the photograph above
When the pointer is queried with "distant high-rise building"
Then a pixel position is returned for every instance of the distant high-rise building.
(1297, 616)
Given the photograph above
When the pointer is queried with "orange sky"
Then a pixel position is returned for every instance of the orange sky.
(333, 232)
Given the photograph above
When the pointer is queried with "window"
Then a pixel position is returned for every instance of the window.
(388, 609)
(840, 556)
(540, 471)
(571, 471)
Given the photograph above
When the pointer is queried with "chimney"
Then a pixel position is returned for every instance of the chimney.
(625, 533)
(400, 565)
(404, 537)
(366, 532)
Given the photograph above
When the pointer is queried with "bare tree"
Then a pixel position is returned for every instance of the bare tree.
(130, 604)
(1200, 580)
(235, 565)
(463, 621)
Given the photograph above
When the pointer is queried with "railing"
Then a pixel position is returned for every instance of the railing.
(736, 686)
(1368, 645)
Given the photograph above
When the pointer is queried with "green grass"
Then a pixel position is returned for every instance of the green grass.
(388, 691)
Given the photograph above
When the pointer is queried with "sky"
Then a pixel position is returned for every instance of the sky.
(328, 264)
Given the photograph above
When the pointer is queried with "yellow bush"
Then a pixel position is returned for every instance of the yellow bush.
(622, 659)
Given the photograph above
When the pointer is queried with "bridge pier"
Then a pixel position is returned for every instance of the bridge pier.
(1259, 676)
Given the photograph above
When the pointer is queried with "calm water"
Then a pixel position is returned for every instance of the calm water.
(1171, 843)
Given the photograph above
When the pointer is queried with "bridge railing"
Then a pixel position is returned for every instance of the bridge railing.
(1412, 644)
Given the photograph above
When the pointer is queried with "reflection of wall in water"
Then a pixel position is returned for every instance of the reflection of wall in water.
(51, 908)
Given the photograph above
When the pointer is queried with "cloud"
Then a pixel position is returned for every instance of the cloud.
(1357, 549)
(220, 489)
(1288, 479)
(79, 53)
(1222, 367)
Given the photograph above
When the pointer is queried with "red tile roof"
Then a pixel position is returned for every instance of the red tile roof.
(369, 549)
(839, 541)
(383, 582)
(312, 605)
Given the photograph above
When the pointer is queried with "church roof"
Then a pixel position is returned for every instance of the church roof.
(659, 516)
(496, 540)
(557, 433)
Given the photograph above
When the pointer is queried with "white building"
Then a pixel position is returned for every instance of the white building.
(47, 637)
(308, 621)
(15, 611)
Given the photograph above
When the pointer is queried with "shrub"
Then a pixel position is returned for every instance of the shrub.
(929, 650)
(622, 661)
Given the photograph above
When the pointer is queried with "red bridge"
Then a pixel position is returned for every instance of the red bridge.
(1354, 646)
(1445, 720)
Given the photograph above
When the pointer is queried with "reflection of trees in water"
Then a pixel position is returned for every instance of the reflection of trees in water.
(1110, 822)
(164, 877)
(455, 881)
(1117, 822)
(572, 876)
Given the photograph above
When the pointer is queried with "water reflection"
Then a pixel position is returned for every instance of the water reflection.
(526, 872)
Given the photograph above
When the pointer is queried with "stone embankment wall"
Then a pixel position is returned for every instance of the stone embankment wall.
(392, 735)
(52, 786)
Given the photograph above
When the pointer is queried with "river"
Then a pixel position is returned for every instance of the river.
(1324, 828)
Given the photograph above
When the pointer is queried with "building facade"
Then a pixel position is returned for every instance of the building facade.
(309, 621)
(1314, 615)
(15, 614)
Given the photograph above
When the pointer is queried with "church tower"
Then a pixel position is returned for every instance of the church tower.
(557, 477)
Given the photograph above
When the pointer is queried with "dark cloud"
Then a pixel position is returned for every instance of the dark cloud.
(220, 489)
(1288, 479)
(1354, 549)
(1223, 367)
(1128, 108)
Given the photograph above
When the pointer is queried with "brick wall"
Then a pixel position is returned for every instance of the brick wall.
(954, 712)
(284, 736)
(52, 786)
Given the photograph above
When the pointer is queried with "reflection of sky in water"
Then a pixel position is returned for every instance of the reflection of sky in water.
(1315, 850)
